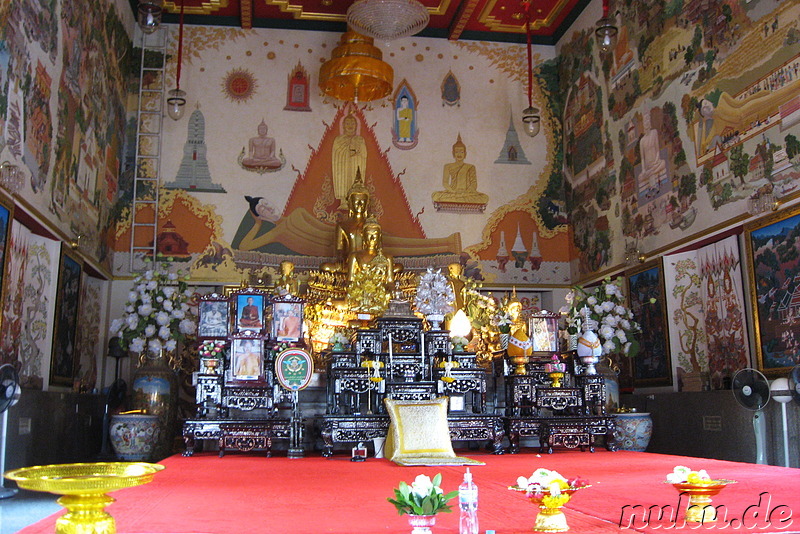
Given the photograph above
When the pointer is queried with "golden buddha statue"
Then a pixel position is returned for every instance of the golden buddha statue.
(372, 255)
(460, 180)
(519, 344)
(287, 284)
(347, 237)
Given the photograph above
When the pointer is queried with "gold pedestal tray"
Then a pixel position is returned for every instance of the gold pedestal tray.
(699, 509)
(84, 487)
(550, 517)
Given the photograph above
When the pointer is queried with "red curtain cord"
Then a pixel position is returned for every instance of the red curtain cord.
(530, 61)
(180, 48)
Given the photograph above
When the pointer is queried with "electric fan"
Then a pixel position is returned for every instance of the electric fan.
(9, 395)
(779, 390)
(751, 391)
(794, 383)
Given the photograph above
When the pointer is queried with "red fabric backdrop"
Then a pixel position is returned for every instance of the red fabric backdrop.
(247, 493)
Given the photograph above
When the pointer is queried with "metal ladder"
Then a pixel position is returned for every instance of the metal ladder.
(147, 171)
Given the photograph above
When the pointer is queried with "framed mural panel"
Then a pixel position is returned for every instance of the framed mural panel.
(248, 310)
(646, 294)
(771, 244)
(65, 331)
(287, 319)
(6, 216)
(213, 316)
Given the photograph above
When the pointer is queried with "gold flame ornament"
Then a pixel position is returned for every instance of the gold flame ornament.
(356, 71)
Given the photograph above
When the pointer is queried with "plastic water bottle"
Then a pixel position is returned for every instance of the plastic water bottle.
(468, 503)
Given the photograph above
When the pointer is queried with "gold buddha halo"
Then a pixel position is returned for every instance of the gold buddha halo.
(356, 71)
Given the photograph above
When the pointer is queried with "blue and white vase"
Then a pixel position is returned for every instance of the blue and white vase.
(633, 431)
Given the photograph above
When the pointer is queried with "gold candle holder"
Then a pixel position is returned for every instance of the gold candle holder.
(83, 487)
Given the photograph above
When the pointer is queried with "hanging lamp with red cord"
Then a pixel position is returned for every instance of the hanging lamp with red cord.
(176, 102)
(605, 31)
(530, 115)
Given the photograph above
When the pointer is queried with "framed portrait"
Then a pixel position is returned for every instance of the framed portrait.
(652, 366)
(249, 305)
(213, 316)
(287, 319)
(65, 329)
(543, 332)
(6, 216)
(247, 357)
(774, 289)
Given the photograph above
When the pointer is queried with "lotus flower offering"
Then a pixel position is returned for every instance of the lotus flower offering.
(550, 491)
(700, 487)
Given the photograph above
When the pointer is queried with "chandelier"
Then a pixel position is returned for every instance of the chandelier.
(387, 19)
(356, 70)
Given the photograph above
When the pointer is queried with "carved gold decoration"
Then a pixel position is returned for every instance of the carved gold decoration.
(299, 13)
(495, 24)
(206, 7)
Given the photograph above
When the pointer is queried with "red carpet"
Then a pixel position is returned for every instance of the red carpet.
(253, 494)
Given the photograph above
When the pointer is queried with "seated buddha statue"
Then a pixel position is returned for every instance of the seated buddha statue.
(286, 284)
(460, 180)
(261, 150)
(372, 255)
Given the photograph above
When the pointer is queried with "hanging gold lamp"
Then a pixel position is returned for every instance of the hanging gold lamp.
(356, 71)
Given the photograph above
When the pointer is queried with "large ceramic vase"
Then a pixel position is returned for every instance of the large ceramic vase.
(134, 436)
(155, 390)
(633, 431)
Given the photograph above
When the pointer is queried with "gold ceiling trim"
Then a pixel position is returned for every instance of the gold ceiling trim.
(495, 24)
(299, 13)
(206, 7)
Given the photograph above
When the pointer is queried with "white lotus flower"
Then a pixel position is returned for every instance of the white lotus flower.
(116, 326)
(167, 305)
(149, 330)
(606, 332)
(609, 347)
(422, 485)
(620, 310)
(145, 309)
(170, 345)
(607, 306)
(130, 309)
(591, 301)
(132, 321)
(621, 335)
(162, 318)
(154, 345)
(164, 332)
(625, 324)
(132, 296)
(168, 291)
(152, 285)
(172, 276)
(187, 327)
(137, 344)
(178, 314)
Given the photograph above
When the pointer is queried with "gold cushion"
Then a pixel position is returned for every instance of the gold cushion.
(418, 429)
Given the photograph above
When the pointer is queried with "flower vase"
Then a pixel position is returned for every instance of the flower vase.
(337, 347)
(504, 337)
(421, 524)
(155, 391)
(134, 436)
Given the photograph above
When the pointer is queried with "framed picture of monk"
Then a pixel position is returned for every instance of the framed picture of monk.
(287, 319)
(249, 307)
(247, 357)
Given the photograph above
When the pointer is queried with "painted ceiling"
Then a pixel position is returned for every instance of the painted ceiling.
(487, 20)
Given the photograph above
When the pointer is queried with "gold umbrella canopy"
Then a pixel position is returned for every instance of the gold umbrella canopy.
(356, 71)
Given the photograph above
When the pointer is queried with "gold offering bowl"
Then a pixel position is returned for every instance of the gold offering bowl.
(699, 509)
(550, 517)
(84, 487)
(519, 364)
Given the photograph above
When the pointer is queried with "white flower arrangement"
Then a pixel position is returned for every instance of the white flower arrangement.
(683, 475)
(603, 309)
(157, 314)
(339, 338)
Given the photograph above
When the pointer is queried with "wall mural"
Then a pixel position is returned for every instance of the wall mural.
(69, 128)
(694, 108)
(405, 130)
